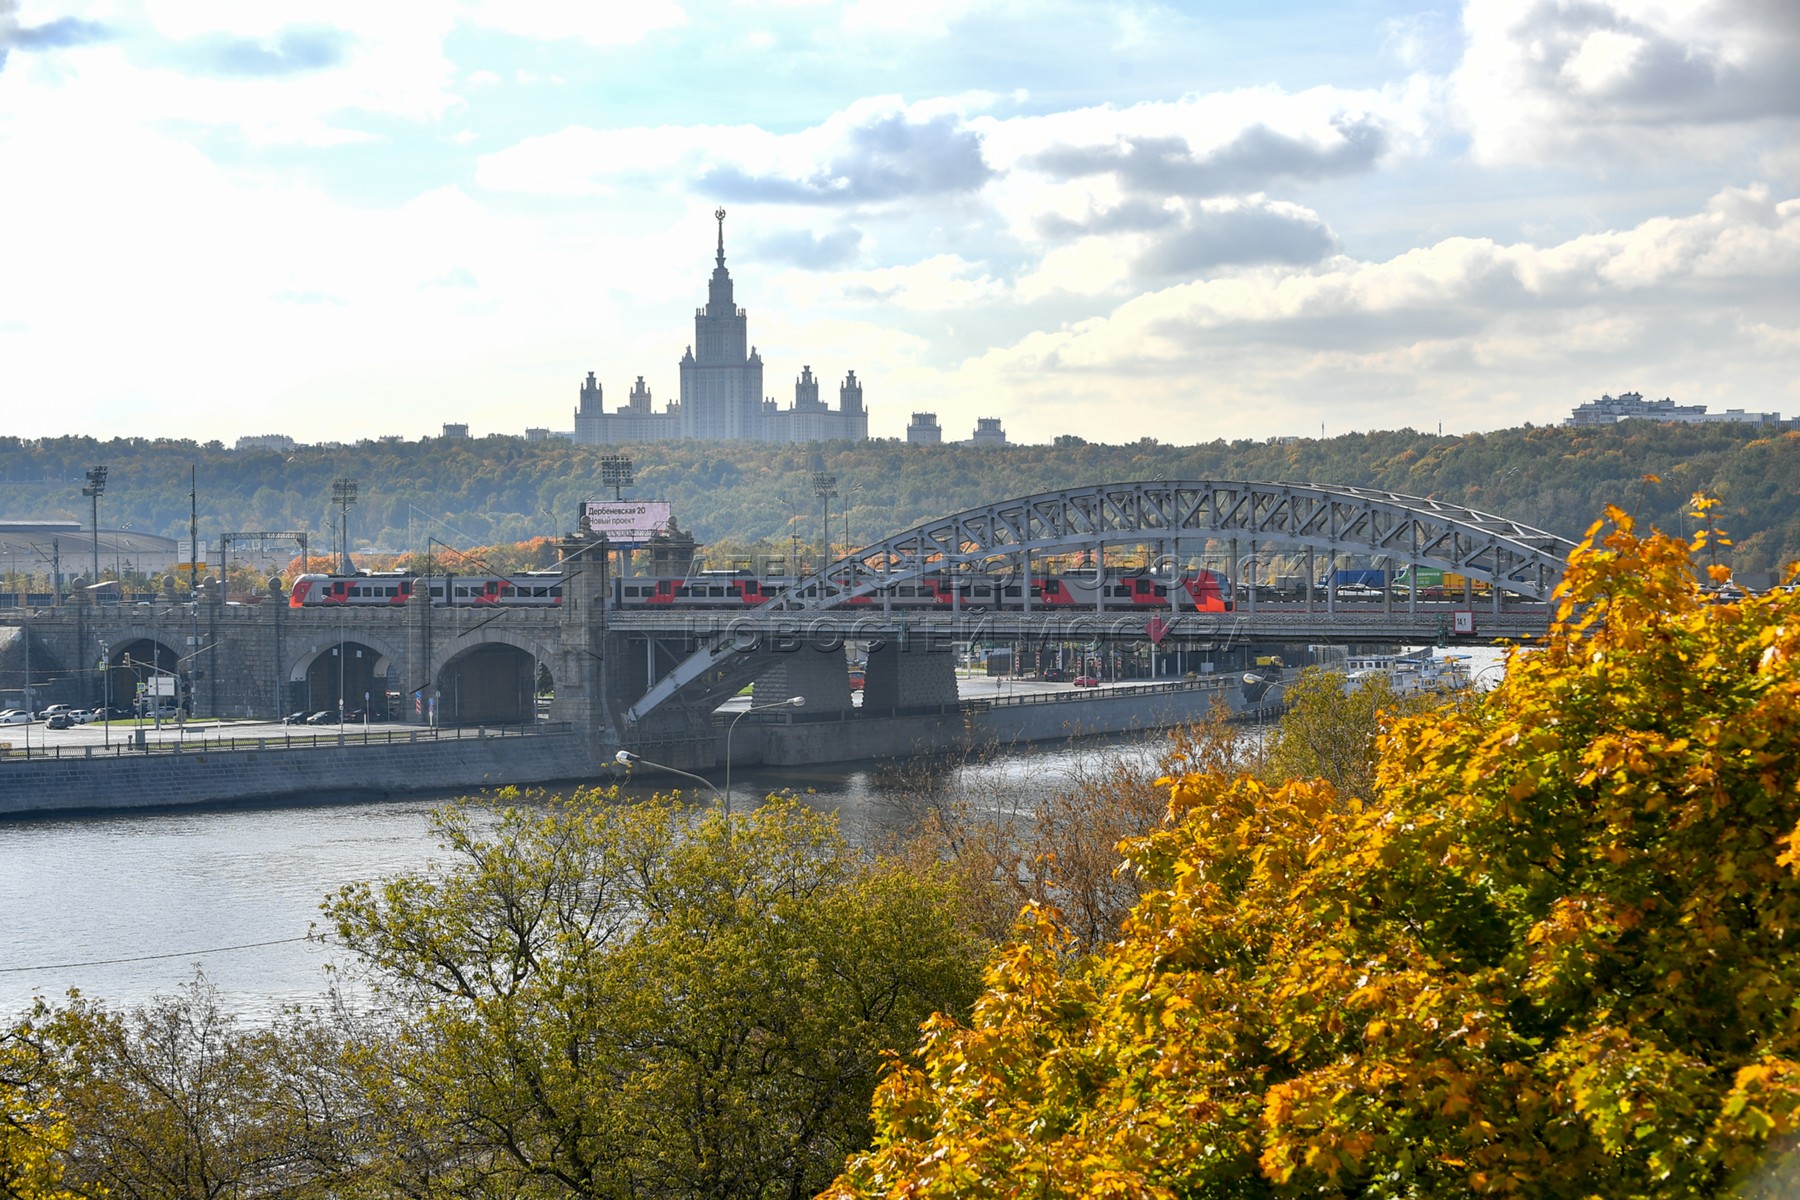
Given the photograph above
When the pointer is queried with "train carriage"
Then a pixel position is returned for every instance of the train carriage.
(939, 591)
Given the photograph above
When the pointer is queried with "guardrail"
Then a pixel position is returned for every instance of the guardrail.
(984, 703)
(221, 740)
(1215, 683)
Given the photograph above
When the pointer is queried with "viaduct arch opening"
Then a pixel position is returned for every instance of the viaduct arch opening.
(494, 683)
(348, 677)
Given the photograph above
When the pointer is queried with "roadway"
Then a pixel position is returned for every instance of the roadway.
(119, 733)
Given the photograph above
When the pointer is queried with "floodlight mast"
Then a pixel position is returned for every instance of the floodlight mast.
(617, 472)
(96, 485)
(343, 494)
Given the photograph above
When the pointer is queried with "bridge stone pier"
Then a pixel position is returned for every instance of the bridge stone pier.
(653, 681)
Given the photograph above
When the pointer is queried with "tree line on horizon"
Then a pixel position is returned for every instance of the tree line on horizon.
(755, 499)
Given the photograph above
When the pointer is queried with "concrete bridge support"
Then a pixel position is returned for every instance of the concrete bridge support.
(909, 674)
(822, 676)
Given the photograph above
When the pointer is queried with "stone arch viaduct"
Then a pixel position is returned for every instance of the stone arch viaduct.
(631, 678)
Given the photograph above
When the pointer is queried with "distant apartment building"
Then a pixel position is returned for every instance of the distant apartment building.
(456, 431)
(924, 430)
(722, 390)
(987, 433)
(1608, 410)
(265, 441)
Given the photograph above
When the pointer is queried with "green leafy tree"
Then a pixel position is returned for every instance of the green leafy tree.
(1331, 726)
(176, 1101)
(1551, 954)
(597, 999)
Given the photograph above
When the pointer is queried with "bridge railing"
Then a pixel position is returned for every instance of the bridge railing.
(221, 740)
(1203, 683)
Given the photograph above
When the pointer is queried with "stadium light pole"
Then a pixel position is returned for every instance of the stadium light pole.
(618, 472)
(96, 485)
(790, 702)
(343, 494)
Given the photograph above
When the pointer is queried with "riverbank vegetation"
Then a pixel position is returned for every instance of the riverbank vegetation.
(1541, 942)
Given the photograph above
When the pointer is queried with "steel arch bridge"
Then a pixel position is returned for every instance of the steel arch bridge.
(1173, 515)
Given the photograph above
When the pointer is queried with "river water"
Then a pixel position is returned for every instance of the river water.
(128, 907)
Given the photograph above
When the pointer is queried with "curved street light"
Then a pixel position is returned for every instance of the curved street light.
(626, 758)
(1269, 687)
(790, 702)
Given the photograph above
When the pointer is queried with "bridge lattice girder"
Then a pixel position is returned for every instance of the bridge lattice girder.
(1172, 514)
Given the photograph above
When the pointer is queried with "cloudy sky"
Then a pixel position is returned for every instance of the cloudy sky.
(346, 219)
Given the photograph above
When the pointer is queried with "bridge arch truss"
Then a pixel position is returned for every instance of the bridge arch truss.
(1180, 516)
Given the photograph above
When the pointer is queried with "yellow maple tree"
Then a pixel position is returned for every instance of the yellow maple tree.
(1552, 952)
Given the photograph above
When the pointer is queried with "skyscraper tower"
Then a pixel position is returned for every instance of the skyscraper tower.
(721, 377)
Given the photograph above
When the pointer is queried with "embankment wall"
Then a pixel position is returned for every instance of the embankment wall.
(101, 784)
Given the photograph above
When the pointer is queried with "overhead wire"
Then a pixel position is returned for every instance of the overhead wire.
(110, 962)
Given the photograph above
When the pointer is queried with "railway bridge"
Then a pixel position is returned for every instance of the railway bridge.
(654, 680)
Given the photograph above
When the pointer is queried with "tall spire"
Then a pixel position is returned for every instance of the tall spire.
(720, 216)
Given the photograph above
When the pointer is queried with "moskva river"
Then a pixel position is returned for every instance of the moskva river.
(127, 907)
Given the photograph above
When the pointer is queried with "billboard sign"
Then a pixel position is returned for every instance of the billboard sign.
(627, 520)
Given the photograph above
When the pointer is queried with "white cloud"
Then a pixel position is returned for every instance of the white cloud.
(1366, 334)
(876, 146)
(1626, 80)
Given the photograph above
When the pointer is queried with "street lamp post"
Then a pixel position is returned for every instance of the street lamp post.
(106, 682)
(1251, 679)
(790, 702)
(849, 545)
(626, 758)
(794, 565)
(824, 488)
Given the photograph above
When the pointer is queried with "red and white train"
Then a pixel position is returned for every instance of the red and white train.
(1198, 591)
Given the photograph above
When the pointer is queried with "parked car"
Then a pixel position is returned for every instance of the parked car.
(15, 716)
(1086, 681)
(82, 716)
(61, 720)
(1053, 675)
(51, 710)
(296, 718)
(115, 713)
(323, 717)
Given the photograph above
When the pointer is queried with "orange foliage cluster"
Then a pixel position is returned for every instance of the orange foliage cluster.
(1556, 952)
